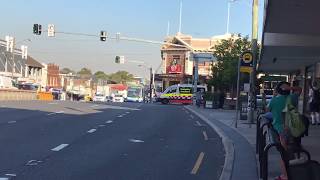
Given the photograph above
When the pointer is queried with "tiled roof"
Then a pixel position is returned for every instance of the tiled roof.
(32, 62)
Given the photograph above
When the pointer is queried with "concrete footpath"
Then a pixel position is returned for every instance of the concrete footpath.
(241, 163)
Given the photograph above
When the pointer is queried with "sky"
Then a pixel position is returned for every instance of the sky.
(146, 19)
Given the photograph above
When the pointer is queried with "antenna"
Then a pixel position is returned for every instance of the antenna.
(168, 28)
(180, 19)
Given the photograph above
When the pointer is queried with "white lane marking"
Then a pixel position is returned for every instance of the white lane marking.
(136, 140)
(58, 112)
(198, 123)
(92, 131)
(128, 112)
(96, 105)
(205, 135)
(61, 146)
(53, 103)
(11, 122)
(12, 175)
(197, 164)
(120, 116)
(3, 178)
(109, 122)
(102, 125)
(33, 162)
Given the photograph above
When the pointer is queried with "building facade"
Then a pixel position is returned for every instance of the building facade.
(53, 77)
(177, 62)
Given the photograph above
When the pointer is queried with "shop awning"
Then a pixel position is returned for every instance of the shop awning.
(291, 36)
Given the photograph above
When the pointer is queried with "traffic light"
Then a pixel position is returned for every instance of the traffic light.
(37, 29)
(103, 35)
(117, 60)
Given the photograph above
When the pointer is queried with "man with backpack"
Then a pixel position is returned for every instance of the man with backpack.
(278, 106)
(314, 103)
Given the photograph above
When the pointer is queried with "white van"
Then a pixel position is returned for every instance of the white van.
(6, 83)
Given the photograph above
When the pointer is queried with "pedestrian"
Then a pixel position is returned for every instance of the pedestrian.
(276, 107)
(314, 102)
(221, 99)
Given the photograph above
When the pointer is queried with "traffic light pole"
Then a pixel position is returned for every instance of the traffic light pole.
(150, 85)
(255, 53)
(195, 80)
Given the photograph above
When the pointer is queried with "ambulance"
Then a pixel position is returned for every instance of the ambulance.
(179, 94)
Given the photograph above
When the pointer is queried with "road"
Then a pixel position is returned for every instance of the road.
(130, 141)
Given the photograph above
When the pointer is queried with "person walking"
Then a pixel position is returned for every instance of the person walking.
(314, 103)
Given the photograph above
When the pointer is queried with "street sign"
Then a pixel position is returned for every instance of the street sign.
(203, 57)
(24, 52)
(51, 30)
(122, 60)
(118, 36)
(246, 60)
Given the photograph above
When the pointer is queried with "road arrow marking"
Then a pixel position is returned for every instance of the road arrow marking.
(205, 135)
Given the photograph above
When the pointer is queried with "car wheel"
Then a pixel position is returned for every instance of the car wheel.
(164, 101)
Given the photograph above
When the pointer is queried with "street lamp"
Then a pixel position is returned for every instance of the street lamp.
(228, 18)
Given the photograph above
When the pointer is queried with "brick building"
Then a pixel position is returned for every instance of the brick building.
(53, 78)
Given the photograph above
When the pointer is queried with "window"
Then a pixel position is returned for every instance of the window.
(173, 90)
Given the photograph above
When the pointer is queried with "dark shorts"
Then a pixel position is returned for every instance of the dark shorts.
(314, 107)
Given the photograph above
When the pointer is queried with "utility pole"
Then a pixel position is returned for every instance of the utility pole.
(253, 75)
(195, 81)
(150, 85)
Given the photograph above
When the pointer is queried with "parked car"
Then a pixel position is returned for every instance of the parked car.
(109, 98)
(99, 98)
(118, 98)
(87, 98)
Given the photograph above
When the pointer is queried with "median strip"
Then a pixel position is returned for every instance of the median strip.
(58, 148)
(197, 164)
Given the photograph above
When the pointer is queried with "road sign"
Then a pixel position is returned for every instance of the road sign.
(51, 30)
(118, 36)
(203, 57)
(246, 60)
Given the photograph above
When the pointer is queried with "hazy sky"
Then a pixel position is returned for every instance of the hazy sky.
(133, 18)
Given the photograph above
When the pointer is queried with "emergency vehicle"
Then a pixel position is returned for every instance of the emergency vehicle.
(179, 94)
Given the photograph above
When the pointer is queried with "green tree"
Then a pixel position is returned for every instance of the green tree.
(100, 75)
(228, 51)
(66, 71)
(121, 77)
(85, 73)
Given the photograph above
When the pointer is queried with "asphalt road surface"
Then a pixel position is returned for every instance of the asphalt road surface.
(129, 141)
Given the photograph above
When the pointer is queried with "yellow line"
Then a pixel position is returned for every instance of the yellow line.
(198, 163)
(205, 135)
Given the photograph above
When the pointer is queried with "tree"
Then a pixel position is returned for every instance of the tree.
(100, 75)
(66, 71)
(228, 51)
(121, 77)
(85, 73)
